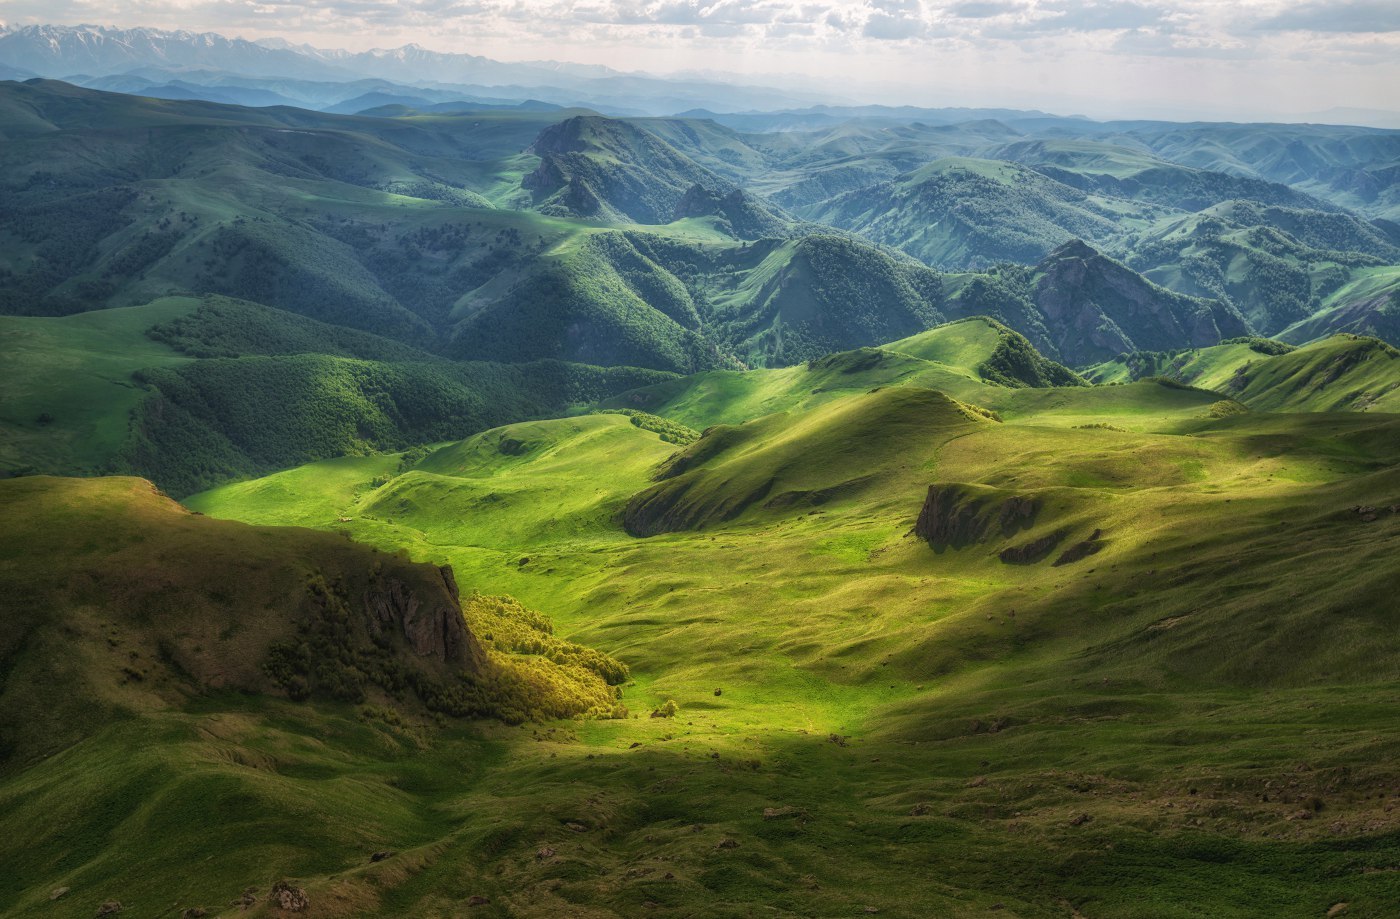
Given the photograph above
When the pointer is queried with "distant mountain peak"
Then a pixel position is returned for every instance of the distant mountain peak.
(1075, 248)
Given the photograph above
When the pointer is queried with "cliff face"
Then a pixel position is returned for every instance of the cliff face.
(427, 615)
(956, 516)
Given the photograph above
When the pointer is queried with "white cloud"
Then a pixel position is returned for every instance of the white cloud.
(1010, 51)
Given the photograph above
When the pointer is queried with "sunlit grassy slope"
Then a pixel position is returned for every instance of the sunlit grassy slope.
(1340, 373)
(1193, 720)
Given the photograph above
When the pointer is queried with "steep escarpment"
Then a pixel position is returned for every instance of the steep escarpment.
(955, 516)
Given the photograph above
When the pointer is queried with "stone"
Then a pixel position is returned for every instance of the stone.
(286, 897)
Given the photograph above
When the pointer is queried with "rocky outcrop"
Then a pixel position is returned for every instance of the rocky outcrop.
(1081, 550)
(1031, 552)
(431, 621)
(956, 516)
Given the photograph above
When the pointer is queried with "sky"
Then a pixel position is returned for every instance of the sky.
(1159, 58)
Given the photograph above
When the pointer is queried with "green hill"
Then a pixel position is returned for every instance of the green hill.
(617, 171)
(1341, 373)
(149, 390)
(998, 354)
(959, 213)
(66, 387)
(1277, 266)
(922, 621)
(1368, 304)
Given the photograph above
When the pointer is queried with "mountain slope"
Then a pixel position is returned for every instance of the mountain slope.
(1096, 308)
(1343, 373)
(906, 694)
(617, 171)
(960, 213)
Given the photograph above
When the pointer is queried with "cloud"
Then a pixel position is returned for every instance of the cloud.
(1363, 16)
(895, 20)
(1072, 16)
(983, 9)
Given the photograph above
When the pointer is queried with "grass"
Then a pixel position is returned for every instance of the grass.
(1197, 720)
(1340, 373)
(68, 387)
(1191, 689)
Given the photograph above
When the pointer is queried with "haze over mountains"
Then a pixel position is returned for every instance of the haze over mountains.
(440, 487)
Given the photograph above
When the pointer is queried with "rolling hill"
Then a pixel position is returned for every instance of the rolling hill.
(921, 621)
(1341, 373)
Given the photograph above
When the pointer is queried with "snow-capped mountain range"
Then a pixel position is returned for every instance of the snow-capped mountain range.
(169, 63)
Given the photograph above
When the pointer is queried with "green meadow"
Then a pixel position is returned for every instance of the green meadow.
(1191, 721)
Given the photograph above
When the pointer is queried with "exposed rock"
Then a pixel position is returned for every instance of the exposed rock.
(1337, 909)
(449, 579)
(478, 900)
(956, 516)
(1080, 820)
(380, 856)
(247, 898)
(1031, 552)
(1081, 550)
(286, 897)
(544, 853)
(58, 892)
(194, 912)
(727, 843)
(778, 813)
(110, 908)
(433, 625)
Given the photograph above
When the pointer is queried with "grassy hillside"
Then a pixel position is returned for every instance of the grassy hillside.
(618, 171)
(193, 392)
(998, 354)
(1341, 373)
(1277, 266)
(1368, 304)
(67, 385)
(1137, 712)
(960, 213)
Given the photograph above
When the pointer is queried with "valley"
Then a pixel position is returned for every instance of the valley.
(422, 502)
